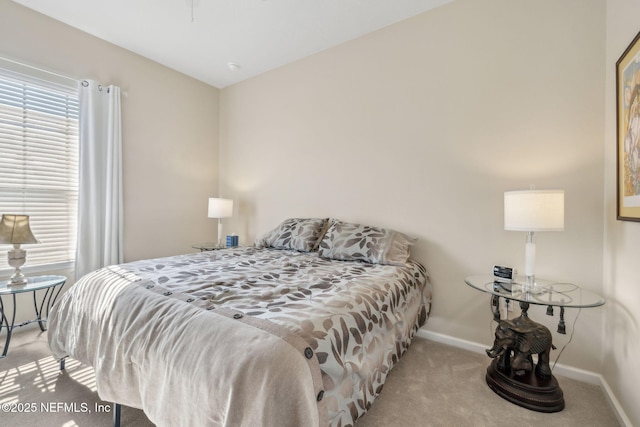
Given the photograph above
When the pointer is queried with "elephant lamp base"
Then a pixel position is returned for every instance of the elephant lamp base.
(528, 390)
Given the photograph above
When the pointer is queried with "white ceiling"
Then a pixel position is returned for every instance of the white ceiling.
(258, 35)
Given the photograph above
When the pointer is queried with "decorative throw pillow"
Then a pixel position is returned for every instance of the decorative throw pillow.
(301, 234)
(354, 242)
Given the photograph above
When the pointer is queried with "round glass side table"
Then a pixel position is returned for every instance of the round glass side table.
(203, 247)
(51, 285)
(512, 374)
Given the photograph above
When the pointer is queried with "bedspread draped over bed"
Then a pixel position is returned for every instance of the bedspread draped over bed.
(242, 336)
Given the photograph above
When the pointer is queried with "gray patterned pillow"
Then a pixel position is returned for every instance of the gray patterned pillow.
(300, 234)
(355, 242)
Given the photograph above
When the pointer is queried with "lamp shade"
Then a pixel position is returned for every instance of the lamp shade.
(15, 229)
(534, 210)
(220, 208)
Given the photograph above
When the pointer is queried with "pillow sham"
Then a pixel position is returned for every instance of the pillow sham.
(355, 242)
(300, 234)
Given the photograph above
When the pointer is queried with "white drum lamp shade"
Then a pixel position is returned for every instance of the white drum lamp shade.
(220, 208)
(534, 210)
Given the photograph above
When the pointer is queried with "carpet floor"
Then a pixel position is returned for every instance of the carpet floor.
(433, 385)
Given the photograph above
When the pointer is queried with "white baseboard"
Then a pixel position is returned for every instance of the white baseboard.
(562, 370)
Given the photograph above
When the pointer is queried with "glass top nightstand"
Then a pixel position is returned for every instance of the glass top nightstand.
(207, 247)
(547, 293)
(33, 284)
(512, 373)
(52, 285)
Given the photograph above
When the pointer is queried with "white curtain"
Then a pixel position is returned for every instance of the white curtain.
(100, 181)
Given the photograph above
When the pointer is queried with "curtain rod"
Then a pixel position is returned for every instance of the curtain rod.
(22, 64)
(85, 83)
(75, 80)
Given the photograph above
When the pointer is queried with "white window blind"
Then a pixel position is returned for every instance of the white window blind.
(39, 162)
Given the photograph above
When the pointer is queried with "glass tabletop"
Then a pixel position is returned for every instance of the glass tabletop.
(33, 284)
(547, 292)
(207, 246)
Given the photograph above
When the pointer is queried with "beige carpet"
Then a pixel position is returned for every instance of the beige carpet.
(433, 385)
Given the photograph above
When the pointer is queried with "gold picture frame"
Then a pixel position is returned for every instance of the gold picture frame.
(628, 132)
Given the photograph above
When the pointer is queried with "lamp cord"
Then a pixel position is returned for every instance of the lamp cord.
(573, 328)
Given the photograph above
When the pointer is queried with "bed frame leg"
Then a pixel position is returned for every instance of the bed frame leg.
(116, 414)
(117, 408)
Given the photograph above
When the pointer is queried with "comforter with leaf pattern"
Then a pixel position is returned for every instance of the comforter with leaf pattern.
(242, 336)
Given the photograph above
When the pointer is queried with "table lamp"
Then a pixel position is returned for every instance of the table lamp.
(220, 208)
(531, 211)
(15, 230)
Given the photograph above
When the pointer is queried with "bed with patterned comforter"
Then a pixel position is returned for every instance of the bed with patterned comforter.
(242, 336)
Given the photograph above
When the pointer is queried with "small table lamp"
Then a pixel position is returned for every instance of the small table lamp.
(220, 208)
(15, 230)
(530, 211)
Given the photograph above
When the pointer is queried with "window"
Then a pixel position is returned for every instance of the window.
(39, 162)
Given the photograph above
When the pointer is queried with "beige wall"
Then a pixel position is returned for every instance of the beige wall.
(621, 267)
(421, 127)
(169, 130)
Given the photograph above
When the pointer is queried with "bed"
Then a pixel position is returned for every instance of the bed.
(302, 328)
